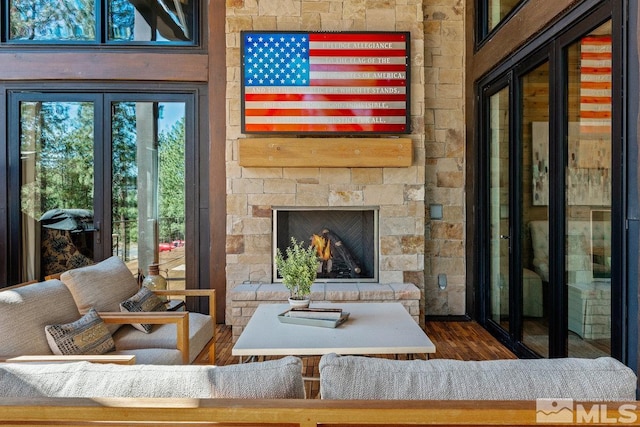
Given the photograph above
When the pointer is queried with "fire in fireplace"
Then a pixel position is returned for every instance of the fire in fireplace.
(346, 240)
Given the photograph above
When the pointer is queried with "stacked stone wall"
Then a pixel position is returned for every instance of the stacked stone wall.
(413, 249)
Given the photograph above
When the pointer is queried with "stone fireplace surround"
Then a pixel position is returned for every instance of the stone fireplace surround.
(396, 192)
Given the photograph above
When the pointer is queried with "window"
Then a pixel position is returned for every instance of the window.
(492, 13)
(83, 21)
(56, 186)
(588, 191)
(499, 130)
(534, 246)
(104, 174)
(148, 185)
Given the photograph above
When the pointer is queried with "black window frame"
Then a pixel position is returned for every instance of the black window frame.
(197, 221)
(482, 30)
(101, 28)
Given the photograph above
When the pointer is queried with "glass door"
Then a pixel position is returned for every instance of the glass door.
(588, 193)
(100, 175)
(57, 186)
(148, 198)
(498, 208)
(548, 195)
(534, 137)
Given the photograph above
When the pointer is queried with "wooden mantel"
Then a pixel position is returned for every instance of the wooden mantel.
(325, 152)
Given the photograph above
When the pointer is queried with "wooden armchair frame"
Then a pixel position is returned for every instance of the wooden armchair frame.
(180, 318)
(122, 359)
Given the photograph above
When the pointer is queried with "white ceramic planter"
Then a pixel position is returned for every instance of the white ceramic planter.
(299, 303)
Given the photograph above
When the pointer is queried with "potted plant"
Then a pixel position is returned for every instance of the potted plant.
(298, 267)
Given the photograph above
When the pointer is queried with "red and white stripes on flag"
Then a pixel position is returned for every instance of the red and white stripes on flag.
(595, 87)
(325, 82)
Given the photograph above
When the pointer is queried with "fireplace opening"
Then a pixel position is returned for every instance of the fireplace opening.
(346, 240)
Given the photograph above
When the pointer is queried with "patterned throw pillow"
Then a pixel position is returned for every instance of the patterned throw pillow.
(144, 300)
(87, 335)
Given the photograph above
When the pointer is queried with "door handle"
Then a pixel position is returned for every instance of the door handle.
(502, 236)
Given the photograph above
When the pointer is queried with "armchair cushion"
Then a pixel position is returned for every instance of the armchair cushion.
(164, 336)
(87, 335)
(102, 286)
(144, 300)
(153, 356)
(26, 310)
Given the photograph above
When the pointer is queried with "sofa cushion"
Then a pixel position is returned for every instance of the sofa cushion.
(26, 310)
(87, 335)
(277, 379)
(164, 336)
(354, 377)
(102, 286)
(143, 300)
(153, 356)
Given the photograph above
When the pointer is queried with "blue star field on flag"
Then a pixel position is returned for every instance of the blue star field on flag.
(276, 60)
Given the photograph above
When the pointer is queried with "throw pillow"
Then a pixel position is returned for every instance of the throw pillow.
(101, 286)
(144, 300)
(87, 335)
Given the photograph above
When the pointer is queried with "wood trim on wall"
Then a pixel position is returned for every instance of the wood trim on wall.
(325, 152)
(101, 65)
(528, 21)
(217, 145)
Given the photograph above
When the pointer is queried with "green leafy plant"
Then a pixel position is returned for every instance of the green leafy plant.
(298, 267)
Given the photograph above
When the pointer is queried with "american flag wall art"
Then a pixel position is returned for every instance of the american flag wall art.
(320, 83)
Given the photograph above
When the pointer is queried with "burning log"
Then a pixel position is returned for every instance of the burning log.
(339, 250)
(323, 249)
(322, 245)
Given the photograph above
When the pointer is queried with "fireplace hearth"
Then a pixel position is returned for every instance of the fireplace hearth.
(346, 240)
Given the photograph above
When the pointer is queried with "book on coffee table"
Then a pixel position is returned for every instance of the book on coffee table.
(316, 313)
(286, 317)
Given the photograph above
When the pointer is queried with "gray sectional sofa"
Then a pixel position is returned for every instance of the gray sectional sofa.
(341, 378)
(356, 377)
(278, 379)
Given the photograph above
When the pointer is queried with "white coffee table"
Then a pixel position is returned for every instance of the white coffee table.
(372, 328)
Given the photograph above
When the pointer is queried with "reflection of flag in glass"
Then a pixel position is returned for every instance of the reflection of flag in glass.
(595, 105)
(595, 84)
(325, 82)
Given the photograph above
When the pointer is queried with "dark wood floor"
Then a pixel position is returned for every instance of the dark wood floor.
(453, 340)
